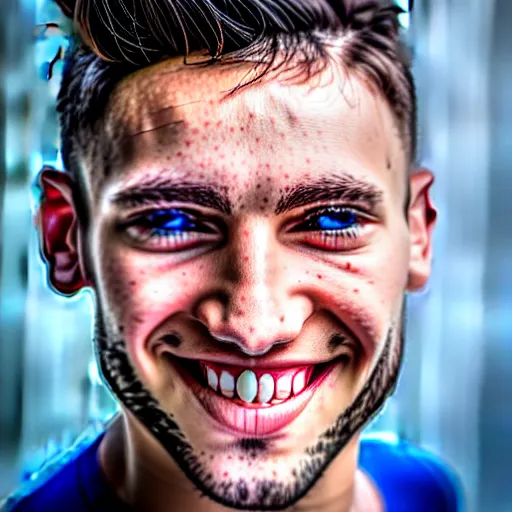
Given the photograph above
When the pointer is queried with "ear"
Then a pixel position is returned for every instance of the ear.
(58, 227)
(422, 218)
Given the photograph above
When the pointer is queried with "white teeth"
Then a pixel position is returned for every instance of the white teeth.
(227, 384)
(284, 387)
(213, 380)
(266, 388)
(247, 386)
(299, 382)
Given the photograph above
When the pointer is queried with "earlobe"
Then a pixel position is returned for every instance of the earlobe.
(422, 218)
(58, 232)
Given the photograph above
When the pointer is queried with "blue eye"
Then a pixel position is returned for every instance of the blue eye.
(170, 230)
(164, 221)
(337, 220)
(333, 228)
(333, 218)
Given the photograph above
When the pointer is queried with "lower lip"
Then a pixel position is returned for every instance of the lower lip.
(253, 421)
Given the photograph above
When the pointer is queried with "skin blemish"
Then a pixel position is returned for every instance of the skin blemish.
(348, 265)
(251, 329)
(206, 124)
(281, 318)
(308, 161)
(225, 474)
(246, 258)
(356, 290)
(219, 123)
(286, 176)
(179, 154)
(242, 128)
(265, 200)
(195, 131)
(232, 129)
(320, 276)
(242, 298)
(216, 148)
(257, 139)
(388, 164)
(188, 143)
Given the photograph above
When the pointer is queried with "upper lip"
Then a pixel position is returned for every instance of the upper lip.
(259, 363)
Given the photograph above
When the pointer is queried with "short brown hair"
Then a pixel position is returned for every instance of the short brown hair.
(114, 39)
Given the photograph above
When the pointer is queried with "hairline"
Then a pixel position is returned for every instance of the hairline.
(335, 57)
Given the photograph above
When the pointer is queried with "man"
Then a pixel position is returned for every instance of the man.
(240, 194)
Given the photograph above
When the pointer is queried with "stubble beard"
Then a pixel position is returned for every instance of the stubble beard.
(258, 493)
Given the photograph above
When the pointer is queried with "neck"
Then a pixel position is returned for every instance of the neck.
(143, 475)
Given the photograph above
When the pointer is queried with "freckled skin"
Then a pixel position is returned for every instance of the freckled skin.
(257, 282)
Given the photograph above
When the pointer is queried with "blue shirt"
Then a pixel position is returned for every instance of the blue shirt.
(409, 480)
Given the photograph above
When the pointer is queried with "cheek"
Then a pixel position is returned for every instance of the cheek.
(367, 292)
(138, 295)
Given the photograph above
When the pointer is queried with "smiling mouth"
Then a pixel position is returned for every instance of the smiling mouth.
(253, 401)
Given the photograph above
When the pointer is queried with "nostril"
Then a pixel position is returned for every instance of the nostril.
(172, 339)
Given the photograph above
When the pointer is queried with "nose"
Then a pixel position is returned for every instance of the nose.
(256, 303)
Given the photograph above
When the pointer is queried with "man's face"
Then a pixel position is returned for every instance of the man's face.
(250, 256)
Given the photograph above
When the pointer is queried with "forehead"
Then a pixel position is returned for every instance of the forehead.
(160, 112)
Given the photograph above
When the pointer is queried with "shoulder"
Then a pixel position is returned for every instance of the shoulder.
(408, 476)
(57, 485)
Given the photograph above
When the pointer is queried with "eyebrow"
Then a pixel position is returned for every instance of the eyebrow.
(149, 192)
(332, 187)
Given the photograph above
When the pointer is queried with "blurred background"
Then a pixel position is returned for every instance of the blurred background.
(454, 394)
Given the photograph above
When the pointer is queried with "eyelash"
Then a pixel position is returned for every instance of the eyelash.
(144, 230)
(190, 232)
(336, 238)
